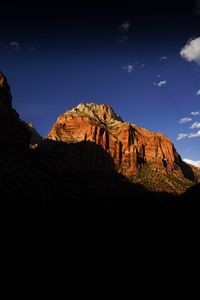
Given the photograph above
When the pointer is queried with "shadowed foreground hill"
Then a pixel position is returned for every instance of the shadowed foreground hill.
(41, 182)
(191, 198)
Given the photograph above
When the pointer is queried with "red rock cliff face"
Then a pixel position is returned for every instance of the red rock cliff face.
(130, 146)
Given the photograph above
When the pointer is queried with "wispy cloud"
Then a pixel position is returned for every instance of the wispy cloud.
(194, 135)
(195, 113)
(125, 26)
(188, 135)
(192, 162)
(123, 39)
(191, 51)
(163, 58)
(195, 125)
(160, 83)
(123, 31)
(198, 93)
(15, 45)
(182, 136)
(184, 120)
(129, 68)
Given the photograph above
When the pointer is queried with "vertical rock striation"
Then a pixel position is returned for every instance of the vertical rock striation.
(130, 146)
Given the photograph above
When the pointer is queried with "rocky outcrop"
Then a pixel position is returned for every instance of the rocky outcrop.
(130, 146)
(14, 134)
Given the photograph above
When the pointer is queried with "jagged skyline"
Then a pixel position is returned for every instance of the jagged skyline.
(135, 57)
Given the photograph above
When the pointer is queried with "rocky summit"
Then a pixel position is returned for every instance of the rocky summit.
(141, 155)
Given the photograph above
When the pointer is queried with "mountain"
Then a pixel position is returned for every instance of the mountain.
(91, 161)
(14, 134)
(141, 155)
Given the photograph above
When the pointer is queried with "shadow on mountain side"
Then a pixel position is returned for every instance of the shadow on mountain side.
(84, 155)
(187, 171)
(60, 179)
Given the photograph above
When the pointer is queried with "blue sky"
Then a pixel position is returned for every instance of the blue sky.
(131, 62)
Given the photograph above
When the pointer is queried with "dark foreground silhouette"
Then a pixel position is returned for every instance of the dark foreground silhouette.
(63, 179)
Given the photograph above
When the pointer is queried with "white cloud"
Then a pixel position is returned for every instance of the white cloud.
(129, 68)
(195, 125)
(192, 162)
(15, 46)
(184, 120)
(163, 57)
(194, 135)
(191, 51)
(181, 136)
(198, 93)
(139, 64)
(195, 113)
(161, 83)
(125, 26)
(188, 135)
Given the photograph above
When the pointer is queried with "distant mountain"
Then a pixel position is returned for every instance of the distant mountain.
(143, 156)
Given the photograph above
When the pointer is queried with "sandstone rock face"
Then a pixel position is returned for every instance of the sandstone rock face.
(130, 146)
(14, 134)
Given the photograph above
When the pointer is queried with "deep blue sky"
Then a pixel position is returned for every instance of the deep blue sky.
(66, 55)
